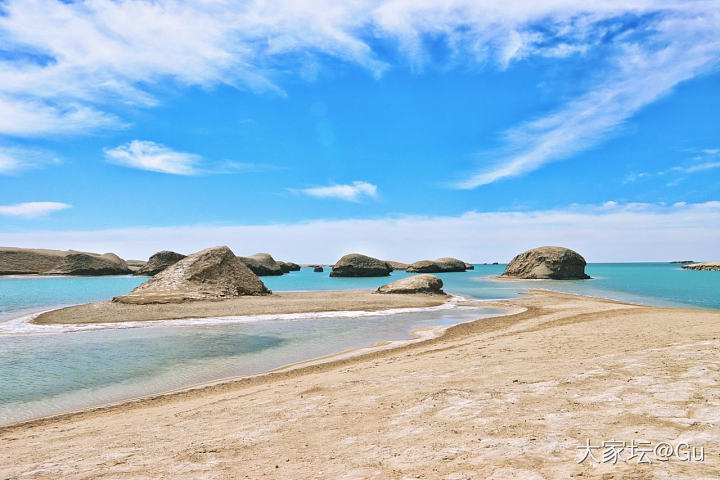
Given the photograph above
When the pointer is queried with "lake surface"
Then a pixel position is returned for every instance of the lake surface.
(46, 371)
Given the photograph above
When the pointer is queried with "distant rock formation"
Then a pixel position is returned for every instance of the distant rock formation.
(81, 263)
(357, 265)
(317, 269)
(210, 274)
(289, 266)
(414, 284)
(449, 264)
(18, 261)
(439, 265)
(682, 261)
(555, 263)
(397, 265)
(158, 262)
(262, 264)
(707, 266)
(136, 265)
(423, 266)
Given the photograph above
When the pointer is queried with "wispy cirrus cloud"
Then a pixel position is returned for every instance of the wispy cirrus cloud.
(14, 159)
(353, 192)
(32, 209)
(705, 160)
(72, 60)
(154, 157)
(679, 47)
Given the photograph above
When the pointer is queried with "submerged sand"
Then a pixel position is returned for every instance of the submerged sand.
(277, 303)
(506, 397)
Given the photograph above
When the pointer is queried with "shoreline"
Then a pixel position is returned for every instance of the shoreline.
(416, 335)
(400, 373)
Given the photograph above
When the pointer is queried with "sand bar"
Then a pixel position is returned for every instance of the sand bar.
(506, 397)
(277, 303)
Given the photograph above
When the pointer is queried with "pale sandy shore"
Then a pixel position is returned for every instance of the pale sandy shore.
(500, 398)
(277, 303)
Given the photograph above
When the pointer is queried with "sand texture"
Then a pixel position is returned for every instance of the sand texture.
(277, 303)
(503, 398)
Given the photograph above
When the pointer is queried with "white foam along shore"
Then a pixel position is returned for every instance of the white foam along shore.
(22, 325)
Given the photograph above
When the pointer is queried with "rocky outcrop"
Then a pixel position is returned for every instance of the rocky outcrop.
(449, 264)
(397, 265)
(683, 261)
(469, 266)
(262, 264)
(158, 262)
(423, 266)
(317, 269)
(136, 265)
(555, 263)
(414, 284)
(288, 266)
(18, 261)
(81, 263)
(357, 265)
(707, 266)
(439, 265)
(210, 274)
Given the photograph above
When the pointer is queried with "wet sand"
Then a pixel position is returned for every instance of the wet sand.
(506, 397)
(277, 303)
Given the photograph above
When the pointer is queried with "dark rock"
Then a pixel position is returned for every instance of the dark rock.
(439, 265)
(397, 265)
(18, 261)
(159, 262)
(262, 264)
(556, 263)
(357, 265)
(317, 269)
(81, 263)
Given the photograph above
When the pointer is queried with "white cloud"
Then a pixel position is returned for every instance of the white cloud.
(701, 167)
(32, 209)
(605, 232)
(638, 75)
(73, 59)
(14, 159)
(154, 157)
(351, 193)
(706, 159)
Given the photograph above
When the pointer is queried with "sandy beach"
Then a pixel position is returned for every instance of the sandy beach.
(506, 397)
(277, 303)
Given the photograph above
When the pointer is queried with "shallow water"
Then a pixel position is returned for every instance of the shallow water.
(51, 369)
(44, 374)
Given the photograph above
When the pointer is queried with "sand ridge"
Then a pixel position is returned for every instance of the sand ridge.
(277, 303)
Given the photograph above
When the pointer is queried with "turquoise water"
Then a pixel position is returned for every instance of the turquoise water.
(43, 373)
(659, 284)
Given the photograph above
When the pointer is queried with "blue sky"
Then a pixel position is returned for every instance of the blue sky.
(224, 118)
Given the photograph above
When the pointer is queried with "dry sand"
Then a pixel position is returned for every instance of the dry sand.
(501, 398)
(277, 303)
